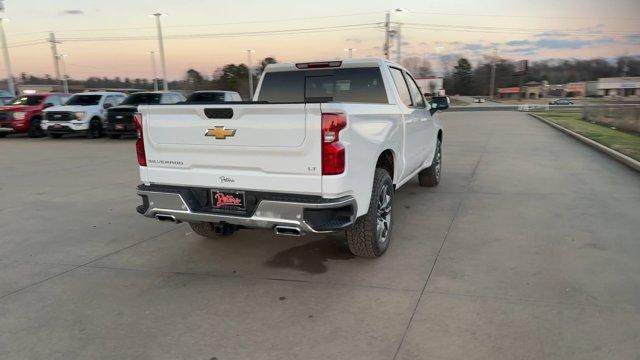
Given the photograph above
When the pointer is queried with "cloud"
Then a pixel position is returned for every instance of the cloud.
(551, 43)
(518, 42)
(73, 12)
(474, 47)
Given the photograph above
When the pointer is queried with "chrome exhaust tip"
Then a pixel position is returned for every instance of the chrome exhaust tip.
(166, 217)
(287, 230)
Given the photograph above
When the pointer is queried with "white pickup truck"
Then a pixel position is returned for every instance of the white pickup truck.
(322, 148)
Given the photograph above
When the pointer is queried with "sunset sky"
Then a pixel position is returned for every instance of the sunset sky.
(538, 29)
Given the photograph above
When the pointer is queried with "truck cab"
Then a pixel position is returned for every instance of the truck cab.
(83, 113)
(24, 113)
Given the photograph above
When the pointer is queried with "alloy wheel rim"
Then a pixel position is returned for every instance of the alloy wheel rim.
(438, 162)
(383, 218)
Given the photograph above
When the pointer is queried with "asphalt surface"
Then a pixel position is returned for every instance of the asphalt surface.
(529, 249)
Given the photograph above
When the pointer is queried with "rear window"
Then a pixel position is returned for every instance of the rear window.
(142, 98)
(84, 100)
(27, 100)
(206, 97)
(357, 85)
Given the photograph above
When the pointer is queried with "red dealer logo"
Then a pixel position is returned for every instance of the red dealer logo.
(227, 200)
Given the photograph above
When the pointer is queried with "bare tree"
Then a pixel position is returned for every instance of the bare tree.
(417, 66)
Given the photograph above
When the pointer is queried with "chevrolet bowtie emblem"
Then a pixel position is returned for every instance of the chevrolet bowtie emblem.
(219, 132)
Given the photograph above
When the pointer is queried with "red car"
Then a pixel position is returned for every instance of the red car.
(24, 113)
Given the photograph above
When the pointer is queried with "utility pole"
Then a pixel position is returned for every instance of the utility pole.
(5, 53)
(492, 84)
(65, 82)
(387, 34)
(163, 64)
(153, 67)
(54, 53)
(625, 64)
(250, 72)
(350, 51)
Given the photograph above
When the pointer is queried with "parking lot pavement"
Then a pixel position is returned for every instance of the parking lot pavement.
(528, 250)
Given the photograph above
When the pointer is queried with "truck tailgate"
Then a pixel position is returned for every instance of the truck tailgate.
(261, 147)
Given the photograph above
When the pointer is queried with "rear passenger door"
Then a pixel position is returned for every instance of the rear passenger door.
(412, 119)
(427, 143)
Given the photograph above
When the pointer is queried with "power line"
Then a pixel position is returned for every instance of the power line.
(524, 16)
(29, 43)
(228, 34)
(204, 25)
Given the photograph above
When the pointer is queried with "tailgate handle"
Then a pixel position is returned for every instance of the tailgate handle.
(219, 113)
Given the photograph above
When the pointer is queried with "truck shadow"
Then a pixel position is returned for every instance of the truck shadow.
(312, 257)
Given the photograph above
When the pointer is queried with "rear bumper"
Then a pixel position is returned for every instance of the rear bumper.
(323, 216)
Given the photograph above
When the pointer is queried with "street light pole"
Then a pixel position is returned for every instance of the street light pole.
(350, 51)
(65, 81)
(163, 63)
(7, 60)
(399, 44)
(492, 85)
(153, 67)
(250, 71)
(387, 34)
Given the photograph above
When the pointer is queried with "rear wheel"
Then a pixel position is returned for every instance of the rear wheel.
(3, 134)
(35, 128)
(371, 234)
(430, 176)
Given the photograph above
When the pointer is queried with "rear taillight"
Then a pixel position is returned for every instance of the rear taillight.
(333, 158)
(142, 157)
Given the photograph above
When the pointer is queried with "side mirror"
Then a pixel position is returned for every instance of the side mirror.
(47, 105)
(439, 103)
(107, 105)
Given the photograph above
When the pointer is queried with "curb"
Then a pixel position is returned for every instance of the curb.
(626, 160)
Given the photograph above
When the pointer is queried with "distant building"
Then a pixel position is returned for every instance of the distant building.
(535, 89)
(619, 86)
(509, 92)
(431, 85)
(530, 90)
(575, 89)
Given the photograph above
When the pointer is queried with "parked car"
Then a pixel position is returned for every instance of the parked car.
(6, 97)
(478, 100)
(82, 113)
(213, 96)
(24, 113)
(322, 150)
(119, 119)
(561, 102)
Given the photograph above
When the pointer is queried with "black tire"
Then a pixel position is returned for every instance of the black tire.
(430, 176)
(114, 136)
(56, 136)
(35, 129)
(3, 134)
(371, 234)
(95, 129)
(205, 229)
